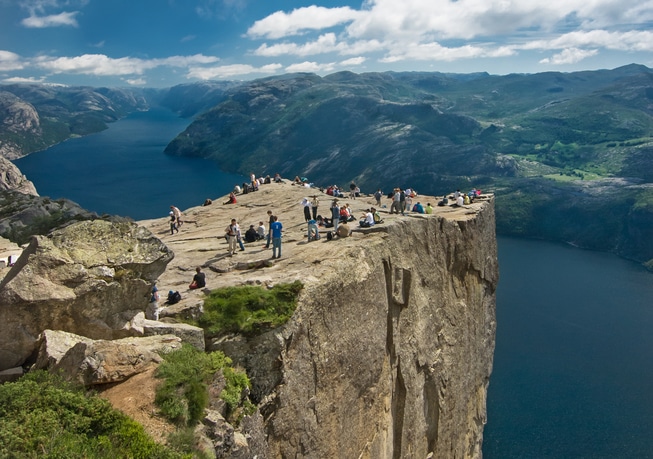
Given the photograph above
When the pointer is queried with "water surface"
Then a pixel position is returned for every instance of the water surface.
(123, 171)
(573, 368)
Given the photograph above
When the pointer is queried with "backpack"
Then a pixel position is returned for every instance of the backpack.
(377, 218)
(329, 235)
(174, 297)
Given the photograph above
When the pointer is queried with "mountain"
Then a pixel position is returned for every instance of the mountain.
(34, 117)
(569, 155)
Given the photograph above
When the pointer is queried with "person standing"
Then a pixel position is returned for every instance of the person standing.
(306, 204)
(275, 229)
(270, 221)
(177, 213)
(152, 311)
(314, 203)
(378, 195)
(335, 214)
(231, 236)
(173, 223)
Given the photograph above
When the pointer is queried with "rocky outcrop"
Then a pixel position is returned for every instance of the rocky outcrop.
(91, 362)
(12, 179)
(19, 118)
(89, 278)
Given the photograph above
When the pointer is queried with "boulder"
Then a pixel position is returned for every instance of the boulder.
(99, 362)
(90, 278)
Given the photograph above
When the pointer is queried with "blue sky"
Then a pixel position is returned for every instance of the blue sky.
(161, 43)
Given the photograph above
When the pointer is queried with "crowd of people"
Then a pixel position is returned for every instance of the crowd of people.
(336, 223)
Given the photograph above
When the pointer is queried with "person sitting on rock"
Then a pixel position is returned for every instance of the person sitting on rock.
(199, 279)
(251, 235)
(232, 198)
(260, 231)
(418, 207)
(313, 231)
(368, 219)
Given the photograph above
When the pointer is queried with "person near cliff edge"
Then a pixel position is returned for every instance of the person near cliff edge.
(275, 229)
(177, 214)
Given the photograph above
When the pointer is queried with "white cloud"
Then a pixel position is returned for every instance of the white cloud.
(54, 20)
(352, 61)
(10, 61)
(569, 56)
(280, 24)
(313, 67)
(136, 81)
(102, 65)
(230, 71)
(13, 80)
(443, 30)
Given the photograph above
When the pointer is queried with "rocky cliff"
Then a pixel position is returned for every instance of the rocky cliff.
(390, 351)
(388, 354)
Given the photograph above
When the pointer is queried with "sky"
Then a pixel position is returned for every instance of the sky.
(162, 43)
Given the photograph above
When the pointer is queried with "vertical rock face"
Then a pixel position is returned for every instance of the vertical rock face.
(389, 354)
(89, 278)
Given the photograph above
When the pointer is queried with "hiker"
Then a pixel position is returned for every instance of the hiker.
(199, 279)
(251, 235)
(352, 190)
(177, 214)
(232, 199)
(335, 214)
(368, 219)
(378, 195)
(419, 208)
(396, 201)
(260, 231)
(270, 221)
(443, 202)
(231, 232)
(428, 209)
(307, 209)
(173, 223)
(313, 231)
(275, 229)
(152, 310)
(314, 203)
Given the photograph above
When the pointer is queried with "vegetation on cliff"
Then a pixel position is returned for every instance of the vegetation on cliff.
(183, 394)
(248, 309)
(43, 416)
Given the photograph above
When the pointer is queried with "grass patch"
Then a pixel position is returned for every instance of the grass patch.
(248, 309)
(183, 395)
(43, 416)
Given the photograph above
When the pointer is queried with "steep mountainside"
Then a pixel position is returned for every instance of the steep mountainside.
(34, 117)
(553, 146)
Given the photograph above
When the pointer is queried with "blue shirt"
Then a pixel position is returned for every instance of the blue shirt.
(275, 228)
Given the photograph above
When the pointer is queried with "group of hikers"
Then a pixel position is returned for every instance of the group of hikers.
(336, 223)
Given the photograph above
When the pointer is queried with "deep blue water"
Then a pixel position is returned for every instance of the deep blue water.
(123, 171)
(573, 369)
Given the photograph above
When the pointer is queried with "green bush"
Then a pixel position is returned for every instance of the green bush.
(248, 309)
(43, 416)
(183, 395)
